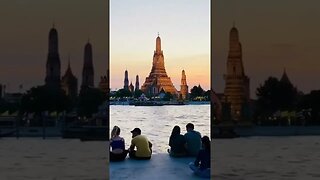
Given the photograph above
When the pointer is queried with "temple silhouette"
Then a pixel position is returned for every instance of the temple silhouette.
(237, 91)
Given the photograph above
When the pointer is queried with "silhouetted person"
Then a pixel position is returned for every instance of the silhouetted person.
(201, 166)
(118, 152)
(177, 143)
(193, 140)
(142, 144)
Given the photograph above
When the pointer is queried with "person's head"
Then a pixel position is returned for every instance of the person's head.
(135, 132)
(115, 131)
(205, 142)
(189, 127)
(175, 131)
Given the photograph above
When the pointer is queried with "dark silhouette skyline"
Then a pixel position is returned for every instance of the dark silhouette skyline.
(24, 39)
(274, 35)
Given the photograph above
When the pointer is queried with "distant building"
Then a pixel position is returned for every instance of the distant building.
(236, 92)
(183, 87)
(53, 61)
(126, 81)
(158, 78)
(285, 77)
(69, 83)
(137, 83)
(87, 71)
(103, 84)
(131, 87)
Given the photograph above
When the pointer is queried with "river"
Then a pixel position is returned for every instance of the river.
(157, 122)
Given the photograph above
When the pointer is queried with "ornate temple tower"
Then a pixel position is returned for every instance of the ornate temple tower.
(184, 86)
(137, 83)
(236, 92)
(53, 61)
(126, 81)
(285, 77)
(158, 78)
(87, 71)
(69, 83)
(131, 87)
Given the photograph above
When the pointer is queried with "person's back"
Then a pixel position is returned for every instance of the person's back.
(193, 140)
(142, 144)
(177, 144)
(204, 159)
(201, 166)
(117, 144)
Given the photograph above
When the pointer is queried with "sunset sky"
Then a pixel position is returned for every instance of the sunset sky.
(274, 35)
(184, 28)
(24, 35)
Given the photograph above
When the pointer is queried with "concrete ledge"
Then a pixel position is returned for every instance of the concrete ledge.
(161, 166)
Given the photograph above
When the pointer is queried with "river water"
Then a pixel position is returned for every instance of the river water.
(157, 122)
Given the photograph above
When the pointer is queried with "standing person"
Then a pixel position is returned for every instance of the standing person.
(201, 166)
(142, 144)
(118, 152)
(193, 140)
(177, 143)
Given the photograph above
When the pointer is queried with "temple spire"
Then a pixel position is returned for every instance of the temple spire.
(158, 44)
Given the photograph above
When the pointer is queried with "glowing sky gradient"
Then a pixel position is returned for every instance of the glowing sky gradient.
(274, 35)
(24, 35)
(184, 27)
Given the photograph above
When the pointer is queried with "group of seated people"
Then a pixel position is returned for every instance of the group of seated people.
(191, 144)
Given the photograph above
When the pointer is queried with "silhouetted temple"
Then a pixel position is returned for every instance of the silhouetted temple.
(137, 83)
(184, 86)
(53, 61)
(87, 71)
(126, 81)
(69, 83)
(158, 78)
(236, 92)
(131, 87)
(285, 77)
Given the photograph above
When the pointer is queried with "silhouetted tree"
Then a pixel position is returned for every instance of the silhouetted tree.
(137, 93)
(43, 98)
(89, 101)
(275, 95)
(196, 91)
(123, 93)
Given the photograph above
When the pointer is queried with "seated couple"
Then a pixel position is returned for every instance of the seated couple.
(140, 142)
(190, 145)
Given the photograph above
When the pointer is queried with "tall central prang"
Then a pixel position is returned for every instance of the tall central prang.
(236, 91)
(158, 79)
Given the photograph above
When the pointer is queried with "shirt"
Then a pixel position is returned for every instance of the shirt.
(193, 139)
(142, 144)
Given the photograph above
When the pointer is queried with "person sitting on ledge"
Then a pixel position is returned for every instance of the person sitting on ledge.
(177, 143)
(118, 152)
(201, 166)
(144, 146)
(193, 140)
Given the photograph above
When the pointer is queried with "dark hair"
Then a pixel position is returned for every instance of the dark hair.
(190, 125)
(206, 142)
(175, 131)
